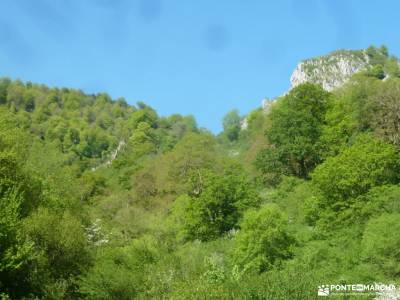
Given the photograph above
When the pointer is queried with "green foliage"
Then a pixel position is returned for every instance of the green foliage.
(88, 127)
(174, 128)
(378, 200)
(292, 196)
(15, 251)
(367, 163)
(146, 115)
(377, 56)
(255, 119)
(380, 244)
(215, 204)
(271, 165)
(103, 200)
(384, 103)
(19, 195)
(348, 115)
(231, 124)
(263, 240)
(376, 71)
(192, 153)
(392, 67)
(295, 129)
(120, 272)
(381, 65)
(61, 245)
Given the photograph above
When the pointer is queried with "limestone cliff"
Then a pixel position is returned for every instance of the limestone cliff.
(332, 70)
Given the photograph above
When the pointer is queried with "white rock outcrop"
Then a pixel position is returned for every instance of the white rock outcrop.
(266, 104)
(330, 71)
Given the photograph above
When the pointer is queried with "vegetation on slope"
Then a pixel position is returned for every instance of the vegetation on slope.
(306, 195)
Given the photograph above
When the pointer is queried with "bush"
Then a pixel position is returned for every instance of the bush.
(60, 249)
(214, 205)
(120, 272)
(263, 240)
(381, 244)
(376, 71)
(367, 163)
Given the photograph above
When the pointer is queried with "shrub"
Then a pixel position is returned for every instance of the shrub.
(263, 240)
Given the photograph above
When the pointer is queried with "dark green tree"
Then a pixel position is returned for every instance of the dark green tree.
(295, 127)
(231, 124)
(214, 205)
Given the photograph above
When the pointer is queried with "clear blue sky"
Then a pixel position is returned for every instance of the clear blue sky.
(184, 56)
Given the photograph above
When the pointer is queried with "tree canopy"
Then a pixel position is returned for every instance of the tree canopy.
(102, 199)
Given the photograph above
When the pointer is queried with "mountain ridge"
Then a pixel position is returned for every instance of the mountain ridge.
(335, 68)
(331, 70)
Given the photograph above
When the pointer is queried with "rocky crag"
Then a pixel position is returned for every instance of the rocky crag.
(332, 70)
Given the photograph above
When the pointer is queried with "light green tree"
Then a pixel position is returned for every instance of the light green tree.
(381, 244)
(367, 163)
(214, 205)
(263, 240)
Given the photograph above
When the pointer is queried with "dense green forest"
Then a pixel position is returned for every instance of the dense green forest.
(100, 199)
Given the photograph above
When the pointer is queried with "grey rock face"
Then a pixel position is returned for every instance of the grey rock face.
(330, 71)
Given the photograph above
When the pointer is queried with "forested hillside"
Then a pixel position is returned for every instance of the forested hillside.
(100, 199)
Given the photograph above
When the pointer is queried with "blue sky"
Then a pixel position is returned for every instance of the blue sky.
(190, 57)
